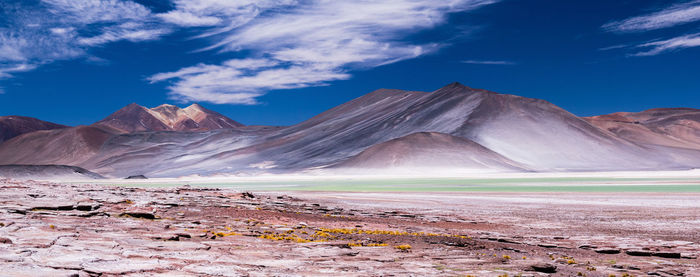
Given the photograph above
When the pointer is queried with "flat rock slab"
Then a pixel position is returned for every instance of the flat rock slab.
(608, 251)
(544, 268)
(124, 266)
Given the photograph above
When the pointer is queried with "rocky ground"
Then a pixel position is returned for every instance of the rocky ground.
(49, 229)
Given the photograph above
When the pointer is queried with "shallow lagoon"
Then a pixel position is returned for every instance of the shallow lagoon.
(555, 184)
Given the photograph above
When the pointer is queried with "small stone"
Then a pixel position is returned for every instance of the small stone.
(672, 272)
(86, 207)
(508, 241)
(640, 253)
(184, 235)
(143, 215)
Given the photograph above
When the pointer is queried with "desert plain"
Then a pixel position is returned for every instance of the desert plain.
(520, 224)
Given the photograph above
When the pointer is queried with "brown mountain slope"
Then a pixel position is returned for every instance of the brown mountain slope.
(676, 127)
(132, 118)
(68, 146)
(12, 126)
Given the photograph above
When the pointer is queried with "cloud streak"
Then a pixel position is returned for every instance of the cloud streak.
(674, 15)
(673, 44)
(489, 62)
(301, 44)
(287, 44)
(49, 30)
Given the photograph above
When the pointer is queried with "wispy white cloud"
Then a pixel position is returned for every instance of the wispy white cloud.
(5, 71)
(131, 33)
(489, 62)
(240, 81)
(223, 15)
(94, 11)
(287, 43)
(188, 19)
(668, 17)
(48, 30)
(676, 43)
(674, 15)
(303, 44)
(613, 47)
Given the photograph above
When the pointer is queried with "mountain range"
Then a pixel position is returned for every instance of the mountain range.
(452, 129)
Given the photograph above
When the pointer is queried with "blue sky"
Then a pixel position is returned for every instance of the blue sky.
(279, 62)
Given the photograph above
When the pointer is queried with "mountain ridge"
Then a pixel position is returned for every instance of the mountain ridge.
(487, 130)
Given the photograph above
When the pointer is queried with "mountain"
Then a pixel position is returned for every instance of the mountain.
(453, 127)
(157, 154)
(12, 126)
(136, 118)
(46, 172)
(80, 146)
(531, 132)
(67, 146)
(675, 127)
(428, 151)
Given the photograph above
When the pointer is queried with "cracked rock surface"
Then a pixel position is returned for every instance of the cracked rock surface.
(49, 229)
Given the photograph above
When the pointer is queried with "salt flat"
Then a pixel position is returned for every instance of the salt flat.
(642, 181)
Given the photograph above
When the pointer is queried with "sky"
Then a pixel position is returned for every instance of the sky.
(279, 62)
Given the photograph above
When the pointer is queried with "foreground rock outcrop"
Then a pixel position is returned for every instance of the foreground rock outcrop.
(63, 230)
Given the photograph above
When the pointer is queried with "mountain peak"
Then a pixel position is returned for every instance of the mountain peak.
(456, 86)
(166, 106)
(166, 117)
(132, 106)
(195, 106)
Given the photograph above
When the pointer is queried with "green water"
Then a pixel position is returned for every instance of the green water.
(574, 184)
